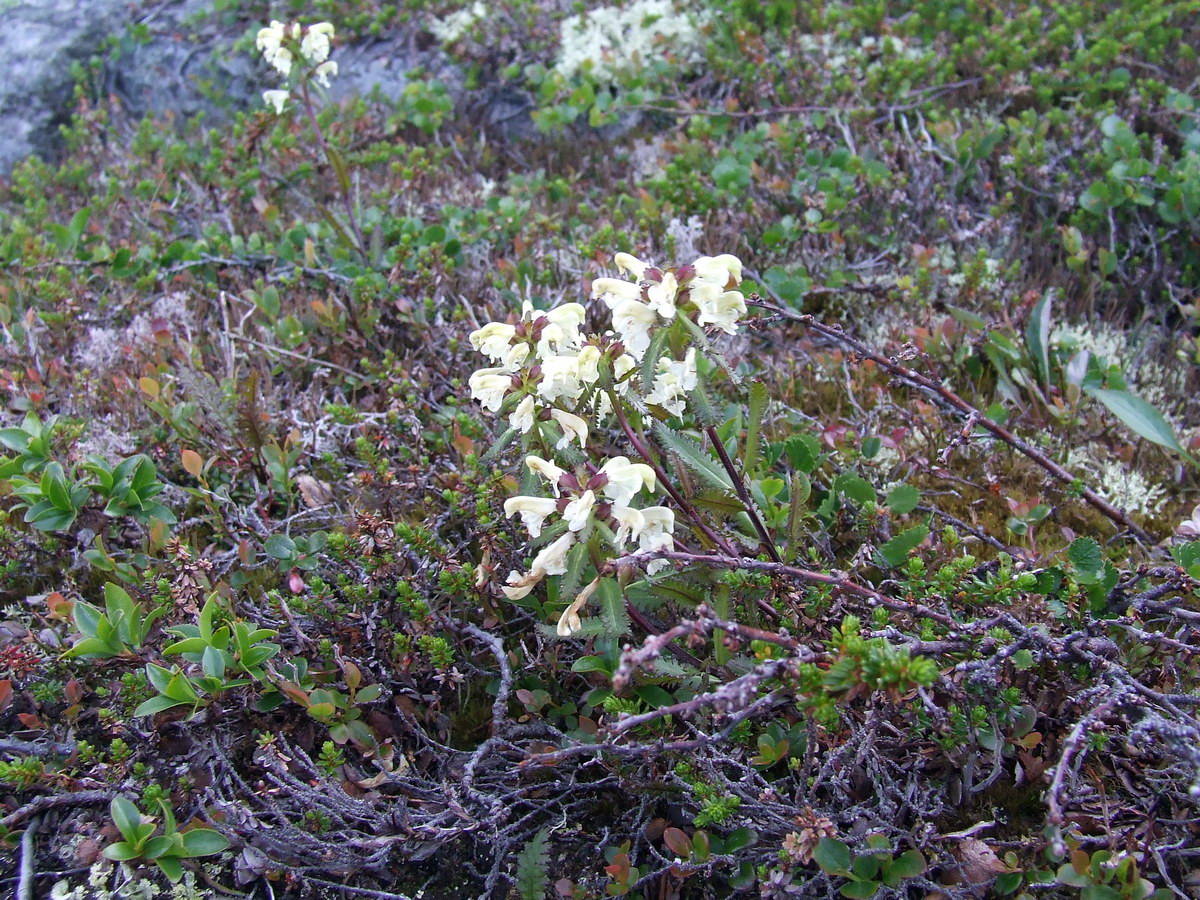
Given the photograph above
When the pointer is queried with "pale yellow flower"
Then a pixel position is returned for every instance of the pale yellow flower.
(573, 427)
(569, 622)
(625, 479)
(276, 99)
(533, 510)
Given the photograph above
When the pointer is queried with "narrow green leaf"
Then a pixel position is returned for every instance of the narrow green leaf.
(1037, 335)
(126, 817)
(1140, 417)
(752, 461)
(695, 457)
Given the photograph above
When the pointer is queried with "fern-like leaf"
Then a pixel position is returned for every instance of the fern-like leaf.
(532, 863)
(694, 457)
(758, 407)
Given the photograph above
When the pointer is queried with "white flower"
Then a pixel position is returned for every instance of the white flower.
(270, 37)
(324, 70)
(632, 321)
(1190, 528)
(281, 59)
(546, 469)
(315, 45)
(623, 365)
(717, 307)
(718, 269)
(573, 427)
(552, 560)
(566, 376)
(567, 318)
(533, 510)
(661, 295)
(489, 386)
(656, 534)
(454, 25)
(614, 291)
(631, 264)
(579, 511)
(625, 479)
(673, 382)
(523, 416)
(568, 622)
(493, 340)
(276, 99)
(630, 523)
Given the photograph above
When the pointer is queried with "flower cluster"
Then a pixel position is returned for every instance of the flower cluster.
(281, 45)
(557, 384)
(606, 40)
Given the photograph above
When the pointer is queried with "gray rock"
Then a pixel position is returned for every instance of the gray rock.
(39, 43)
(188, 67)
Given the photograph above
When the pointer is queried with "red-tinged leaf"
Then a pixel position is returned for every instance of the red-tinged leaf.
(30, 720)
(6, 693)
(678, 842)
(296, 582)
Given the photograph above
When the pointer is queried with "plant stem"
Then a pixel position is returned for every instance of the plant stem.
(743, 494)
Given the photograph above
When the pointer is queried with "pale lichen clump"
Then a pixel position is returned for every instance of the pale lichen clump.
(455, 25)
(1124, 487)
(611, 39)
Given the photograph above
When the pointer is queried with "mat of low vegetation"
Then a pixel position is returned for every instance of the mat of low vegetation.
(773, 475)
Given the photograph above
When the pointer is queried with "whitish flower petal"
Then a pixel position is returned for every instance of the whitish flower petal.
(632, 321)
(579, 511)
(569, 622)
(719, 269)
(489, 386)
(661, 296)
(276, 99)
(614, 290)
(625, 479)
(533, 510)
(573, 427)
(493, 340)
(546, 469)
(523, 416)
(631, 264)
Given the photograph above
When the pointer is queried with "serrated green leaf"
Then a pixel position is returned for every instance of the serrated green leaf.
(752, 457)
(896, 551)
(855, 488)
(532, 867)
(903, 498)
(612, 608)
(1085, 554)
(695, 457)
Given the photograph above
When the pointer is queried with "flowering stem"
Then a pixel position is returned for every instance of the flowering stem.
(683, 505)
(743, 494)
(329, 155)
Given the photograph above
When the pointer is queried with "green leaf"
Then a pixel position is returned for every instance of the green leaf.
(171, 867)
(156, 705)
(1085, 554)
(867, 866)
(908, 864)
(612, 608)
(156, 847)
(694, 457)
(896, 551)
(121, 851)
(1140, 417)
(832, 856)
(803, 452)
(740, 839)
(654, 696)
(859, 890)
(126, 817)
(204, 842)
(532, 863)
(87, 618)
(758, 406)
(1037, 335)
(91, 647)
(280, 546)
(854, 488)
(369, 694)
(903, 498)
